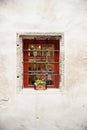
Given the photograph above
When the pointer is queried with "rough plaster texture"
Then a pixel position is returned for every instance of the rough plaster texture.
(63, 110)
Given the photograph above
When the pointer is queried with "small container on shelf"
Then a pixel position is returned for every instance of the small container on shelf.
(40, 85)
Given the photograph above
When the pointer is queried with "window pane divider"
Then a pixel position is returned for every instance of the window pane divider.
(34, 58)
(40, 71)
(40, 74)
(26, 62)
(41, 50)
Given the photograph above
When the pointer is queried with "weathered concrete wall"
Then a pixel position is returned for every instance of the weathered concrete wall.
(60, 111)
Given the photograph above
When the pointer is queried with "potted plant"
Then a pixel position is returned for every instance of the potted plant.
(40, 84)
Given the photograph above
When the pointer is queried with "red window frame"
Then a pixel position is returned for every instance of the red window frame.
(26, 43)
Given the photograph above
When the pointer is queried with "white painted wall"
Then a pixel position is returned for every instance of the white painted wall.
(66, 110)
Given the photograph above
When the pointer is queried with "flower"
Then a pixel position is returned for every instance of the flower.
(39, 82)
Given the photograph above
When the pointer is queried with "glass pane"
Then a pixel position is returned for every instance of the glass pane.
(43, 46)
(31, 50)
(44, 53)
(31, 79)
(51, 48)
(44, 77)
(50, 53)
(44, 68)
(44, 50)
(41, 63)
(38, 67)
(31, 73)
(44, 60)
(50, 60)
(31, 60)
(50, 67)
(38, 50)
(31, 66)
(38, 76)
(50, 79)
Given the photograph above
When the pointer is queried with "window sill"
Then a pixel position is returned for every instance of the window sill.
(47, 91)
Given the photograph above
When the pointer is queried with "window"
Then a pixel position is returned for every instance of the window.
(40, 60)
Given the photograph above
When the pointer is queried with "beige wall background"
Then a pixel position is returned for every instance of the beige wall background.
(63, 110)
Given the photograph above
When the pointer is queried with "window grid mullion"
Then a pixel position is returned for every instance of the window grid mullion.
(46, 57)
(34, 59)
(41, 50)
